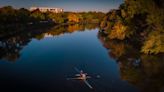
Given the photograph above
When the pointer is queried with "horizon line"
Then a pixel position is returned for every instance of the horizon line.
(103, 11)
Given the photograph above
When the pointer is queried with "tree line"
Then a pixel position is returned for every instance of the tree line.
(139, 21)
(9, 15)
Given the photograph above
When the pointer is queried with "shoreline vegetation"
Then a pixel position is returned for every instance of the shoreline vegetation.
(140, 22)
(133, 35)
(137, 22)
(22, 18)
(10, 16)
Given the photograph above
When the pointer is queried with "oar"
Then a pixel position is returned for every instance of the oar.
(86, 82)
(77, 70)
(73, 78)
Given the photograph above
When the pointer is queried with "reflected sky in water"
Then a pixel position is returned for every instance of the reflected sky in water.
(44, 63)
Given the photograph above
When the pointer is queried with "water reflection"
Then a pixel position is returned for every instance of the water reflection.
(12, 43)
(59, 30)
(143, 71)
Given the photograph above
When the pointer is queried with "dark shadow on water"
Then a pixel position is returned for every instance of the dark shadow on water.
(143, 71)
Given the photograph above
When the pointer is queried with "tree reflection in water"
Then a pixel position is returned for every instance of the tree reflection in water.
(143, 71)
(13, 40)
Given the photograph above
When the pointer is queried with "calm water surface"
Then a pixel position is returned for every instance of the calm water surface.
(44, 61)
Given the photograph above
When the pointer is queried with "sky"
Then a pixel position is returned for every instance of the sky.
(67, 5)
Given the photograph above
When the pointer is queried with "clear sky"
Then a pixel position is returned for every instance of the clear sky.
(67, 5)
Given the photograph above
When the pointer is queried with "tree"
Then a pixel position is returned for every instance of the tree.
(58, 17)
(154, 43)
(74, 17)
(36, 15)
(23, 15)
(119, 31)
(8, 15)
(137, 20)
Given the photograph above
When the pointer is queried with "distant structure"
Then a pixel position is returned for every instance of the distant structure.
(46, 9)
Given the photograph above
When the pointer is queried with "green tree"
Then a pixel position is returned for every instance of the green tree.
(8, 15)
(36, 15)
(23, 15)
(58, 17)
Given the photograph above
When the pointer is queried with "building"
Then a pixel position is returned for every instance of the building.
(46, 9)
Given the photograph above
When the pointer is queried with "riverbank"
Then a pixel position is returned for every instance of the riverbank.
(137, 23)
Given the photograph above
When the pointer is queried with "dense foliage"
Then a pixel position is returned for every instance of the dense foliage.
(9, 15)
(138, 20)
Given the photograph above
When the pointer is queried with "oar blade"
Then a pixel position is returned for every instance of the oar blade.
(86, 82)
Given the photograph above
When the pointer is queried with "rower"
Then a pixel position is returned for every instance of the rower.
(83, 75)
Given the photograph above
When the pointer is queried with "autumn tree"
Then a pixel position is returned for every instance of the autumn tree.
(137, 20)
(154, 43)
(74, 17)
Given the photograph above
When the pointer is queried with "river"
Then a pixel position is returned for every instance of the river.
(43, 62)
